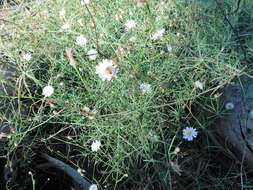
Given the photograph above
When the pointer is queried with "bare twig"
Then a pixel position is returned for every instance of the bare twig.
(235, 31)
(95, 28)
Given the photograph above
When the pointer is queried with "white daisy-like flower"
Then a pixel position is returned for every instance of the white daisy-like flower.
(66, 26)
(200, 85)
(92, 54)
(84, 2)
(48, 91)
(145, 88)
(158, 34)
(189, 133)
(81, 40)
(106, 70)
(129, 25)
(93, 187)
(229, 106)
(95, 146)
(27, 56)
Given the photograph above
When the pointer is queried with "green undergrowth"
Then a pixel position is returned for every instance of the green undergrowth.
(138, 131)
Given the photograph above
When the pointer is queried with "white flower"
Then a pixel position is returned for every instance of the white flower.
(199, 85)
(169, 48)
(65, 26)
(177, 150)
(92, 54)
(95, 146)
(145, 88)
(106, 70)
(27, 56)
(189, 133)
(158, 34)
(130, 24)
(47, 91)
(84, 2)
(93, 187)
(229, 106)
(81, 40)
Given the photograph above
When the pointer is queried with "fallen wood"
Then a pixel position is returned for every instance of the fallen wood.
(234, 131)
(79, 182)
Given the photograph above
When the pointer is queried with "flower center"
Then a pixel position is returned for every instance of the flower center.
(109, 71)
(189, 133)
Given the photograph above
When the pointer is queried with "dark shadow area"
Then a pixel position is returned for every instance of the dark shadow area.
(43, 175)
(201, 164)
(2, 181)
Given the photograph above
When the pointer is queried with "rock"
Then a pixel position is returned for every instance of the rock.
(234, 130)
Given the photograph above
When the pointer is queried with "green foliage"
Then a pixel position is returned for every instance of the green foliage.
(134, 128)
